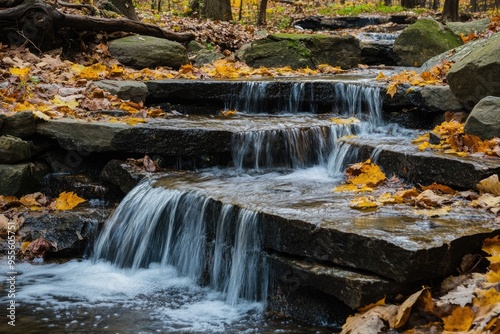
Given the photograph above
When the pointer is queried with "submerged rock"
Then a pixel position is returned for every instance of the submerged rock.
(484, 120)
(477, 74)
(148, 52)
(423, 40)
(301, 50)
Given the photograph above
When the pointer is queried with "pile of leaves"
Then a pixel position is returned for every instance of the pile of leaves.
(435, 76)
(492, 28)
(469, 303)
(453, 140)
(431, 200)
(54, 88)
(12, 208)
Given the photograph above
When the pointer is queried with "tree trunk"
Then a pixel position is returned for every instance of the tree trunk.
(388, 2)
(435, 4)
(36, 22)
(261, 19)
(124, 7)
(408, 3)
(450, 10)
(216, 10)
(473, 6)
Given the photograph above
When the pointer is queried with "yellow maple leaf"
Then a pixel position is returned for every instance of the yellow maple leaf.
(128, 108)
(363, 203)
(68, 200)
(134, 120)
(370, 174)
(392, 88)
(460, 319)
(380, 76)
(58, 101)
(228, 112)
(25, 106)
(20, 71)
(346, 121)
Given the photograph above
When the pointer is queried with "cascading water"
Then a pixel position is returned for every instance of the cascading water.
(170, 227)
(290, 147)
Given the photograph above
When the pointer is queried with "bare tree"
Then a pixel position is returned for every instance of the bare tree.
(450, 10)
(213, 9)
(261, 19)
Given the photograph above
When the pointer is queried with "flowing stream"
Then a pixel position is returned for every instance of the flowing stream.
(166, 261)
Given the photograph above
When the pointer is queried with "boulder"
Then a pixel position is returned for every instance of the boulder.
(439, 98)
(71, 232)
(484, 120)
(20, 124)
(203, 57)
(126, 90)
(21, 179)
(148, 52)
(477, 74)
(301, 50)
(422, 41)
(452, 55)
(466, 28)
(13, 149)
(2, 119)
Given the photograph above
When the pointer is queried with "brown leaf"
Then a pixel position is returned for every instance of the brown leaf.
(40, 246)
(150, 165)
(430, 198)
(404, 310)
(490, 185)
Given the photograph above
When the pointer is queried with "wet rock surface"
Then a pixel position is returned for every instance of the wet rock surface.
(404, 159)
(334, 23)
(69, 231)
(304, 218)
(20, 124)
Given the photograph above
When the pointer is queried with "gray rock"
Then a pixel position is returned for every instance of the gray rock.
(440, 98)
(206, 57)
(13, 149)
(466, 28)
(148, 52)
(453, 55)
(194, 46)
(301, 50)
(127, 90)
(70, 231)
(121, 175)
(484, 120)
(165, 137)
(21, 179)
(477, 74)
(422, 41)
(20, 124)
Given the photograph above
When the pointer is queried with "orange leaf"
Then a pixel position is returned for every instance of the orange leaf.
(460, 319)
(68, 200)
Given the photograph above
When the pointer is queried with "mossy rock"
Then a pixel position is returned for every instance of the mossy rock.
(422, 41)
(302, 50)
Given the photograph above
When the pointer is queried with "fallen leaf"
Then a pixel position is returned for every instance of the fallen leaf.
(68, 200)
(460, 319)
(39, 247)
(490, 185)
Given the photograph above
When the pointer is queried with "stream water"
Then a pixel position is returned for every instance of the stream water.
(166, 262)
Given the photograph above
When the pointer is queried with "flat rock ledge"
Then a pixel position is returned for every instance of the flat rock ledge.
(405, 160)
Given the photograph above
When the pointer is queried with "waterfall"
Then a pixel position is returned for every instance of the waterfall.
(288, 147)
(171, 227)
(343, 155)
(358, 101)
(273, 97)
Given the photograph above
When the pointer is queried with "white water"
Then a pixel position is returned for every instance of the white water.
(99, 297)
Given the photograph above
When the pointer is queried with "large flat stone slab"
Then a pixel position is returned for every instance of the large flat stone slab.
(400, 157)
(355, 289)
(301, 216)
(175, 136)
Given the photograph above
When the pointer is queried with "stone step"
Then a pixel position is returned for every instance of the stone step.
(301, 216)
(401, 157)
(174, 136)
(353, 288)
